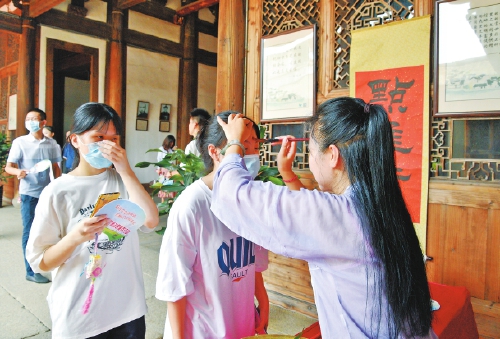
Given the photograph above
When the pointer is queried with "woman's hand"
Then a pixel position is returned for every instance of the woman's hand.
(236, 128)
(87, 228)
(116, 154)
(286, 156)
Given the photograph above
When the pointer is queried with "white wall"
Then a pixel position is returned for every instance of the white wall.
(151, 77)
(207, 85)
(153, 26)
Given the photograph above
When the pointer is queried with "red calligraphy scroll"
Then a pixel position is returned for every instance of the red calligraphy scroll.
(401, 92)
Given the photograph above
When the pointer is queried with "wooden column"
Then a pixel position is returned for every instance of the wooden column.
(26, 69)
(116, 63)
(188, 79)
(252, 93)
(230, 55)
(423, 7)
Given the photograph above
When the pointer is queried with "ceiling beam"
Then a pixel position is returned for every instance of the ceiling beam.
(10, 22)
(195, 7)
(4, 2)
(124, 4)
(39, 7)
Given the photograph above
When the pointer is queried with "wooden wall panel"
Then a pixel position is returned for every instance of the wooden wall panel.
(463, 237)
(492, 289)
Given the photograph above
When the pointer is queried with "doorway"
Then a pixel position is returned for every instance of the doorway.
(72, 79)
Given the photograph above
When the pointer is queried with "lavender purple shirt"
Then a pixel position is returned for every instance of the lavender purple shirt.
(315, 226)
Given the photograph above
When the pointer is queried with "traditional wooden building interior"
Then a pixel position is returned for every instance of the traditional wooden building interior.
(57, 54)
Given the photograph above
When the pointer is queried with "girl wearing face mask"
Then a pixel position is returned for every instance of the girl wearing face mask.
(208, 274)
(63, 235)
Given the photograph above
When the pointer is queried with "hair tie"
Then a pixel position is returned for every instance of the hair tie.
(367, 108)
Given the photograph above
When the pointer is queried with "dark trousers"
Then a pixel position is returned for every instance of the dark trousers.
(136, 329)
(28, 204)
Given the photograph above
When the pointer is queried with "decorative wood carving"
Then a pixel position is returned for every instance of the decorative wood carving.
(77, 7)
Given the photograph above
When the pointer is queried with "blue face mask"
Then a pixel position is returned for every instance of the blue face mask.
(94, 156)
(252, 162)
(32, 125)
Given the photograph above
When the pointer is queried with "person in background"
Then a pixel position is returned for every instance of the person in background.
(63, 236)
(199, 119)
(208, 274)
(48, 131)
(168, 146)
(68, 153)
(26, 151)
(355, 232)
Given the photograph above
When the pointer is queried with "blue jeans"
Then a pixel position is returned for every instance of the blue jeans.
(28, 204)
(136, 329)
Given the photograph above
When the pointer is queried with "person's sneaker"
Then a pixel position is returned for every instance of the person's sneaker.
(38, 278)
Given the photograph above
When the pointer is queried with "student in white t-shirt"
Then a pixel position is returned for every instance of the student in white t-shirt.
(63, 235)
(208, 274)
(168, 146)
(198, 119)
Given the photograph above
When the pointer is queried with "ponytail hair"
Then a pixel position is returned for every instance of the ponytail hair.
(363, 134)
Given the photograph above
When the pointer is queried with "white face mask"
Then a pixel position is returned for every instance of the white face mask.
(252, 162)
(32, 125)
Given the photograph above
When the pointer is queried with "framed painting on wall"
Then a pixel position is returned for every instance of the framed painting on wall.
(142, 110)
(467, 58)
(288, 75)
(165, 112)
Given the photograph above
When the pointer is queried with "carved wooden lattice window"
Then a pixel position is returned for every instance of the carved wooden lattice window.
(354, 14)
(465, 149)
(282, 15)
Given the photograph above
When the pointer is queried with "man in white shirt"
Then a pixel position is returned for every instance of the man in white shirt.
(26, 151)
(199, 118)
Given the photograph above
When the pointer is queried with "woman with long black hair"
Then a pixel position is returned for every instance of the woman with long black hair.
(366, 265)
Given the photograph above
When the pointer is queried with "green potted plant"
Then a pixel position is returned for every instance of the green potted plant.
(5, 145)
(188, 168)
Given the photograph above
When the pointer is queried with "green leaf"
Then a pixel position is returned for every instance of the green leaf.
(173, 188)
(276, 181)
(144, 164)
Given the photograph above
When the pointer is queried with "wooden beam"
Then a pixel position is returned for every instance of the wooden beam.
(206, 27)
(125, 4)
(39, 7)
(4, 2)
(152, 43)
(206, 57)
(195, 7)
(154, 10)
(74, 23)
(10, 22)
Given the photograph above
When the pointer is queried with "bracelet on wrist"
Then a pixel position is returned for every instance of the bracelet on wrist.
(295, 177)
(231, 143)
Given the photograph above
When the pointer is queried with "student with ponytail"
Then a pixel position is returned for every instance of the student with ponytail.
(366, 265)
